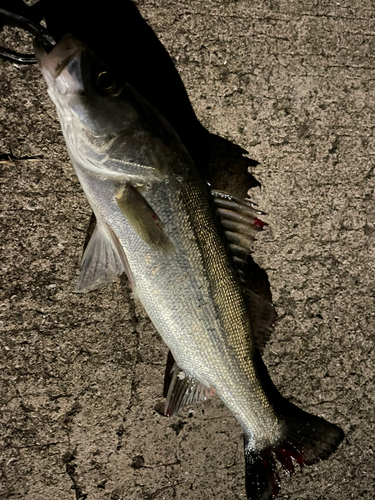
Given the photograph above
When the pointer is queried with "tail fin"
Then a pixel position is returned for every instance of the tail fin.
(307, 440)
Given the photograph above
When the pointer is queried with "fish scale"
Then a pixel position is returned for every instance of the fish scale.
(223, 338)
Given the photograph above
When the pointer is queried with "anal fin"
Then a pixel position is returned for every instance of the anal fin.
(183, 389)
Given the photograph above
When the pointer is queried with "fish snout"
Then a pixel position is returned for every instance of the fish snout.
(61, 66)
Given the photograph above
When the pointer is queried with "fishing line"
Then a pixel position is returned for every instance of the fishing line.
(18, 18)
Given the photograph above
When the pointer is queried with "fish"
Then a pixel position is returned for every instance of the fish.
(184, 247)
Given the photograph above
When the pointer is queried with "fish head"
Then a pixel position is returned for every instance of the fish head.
(103, 118)
(83, 87)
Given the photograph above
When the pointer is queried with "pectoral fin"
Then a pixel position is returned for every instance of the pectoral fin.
(143, 219)
(103, 261)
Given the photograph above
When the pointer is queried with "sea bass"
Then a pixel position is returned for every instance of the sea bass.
(185, 260)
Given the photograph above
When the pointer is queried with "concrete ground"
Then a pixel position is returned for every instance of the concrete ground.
(291, 82)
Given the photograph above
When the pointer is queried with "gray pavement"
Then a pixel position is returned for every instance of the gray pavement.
(81, 375)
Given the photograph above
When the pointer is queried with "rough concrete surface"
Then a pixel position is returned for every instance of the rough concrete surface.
(291, 82)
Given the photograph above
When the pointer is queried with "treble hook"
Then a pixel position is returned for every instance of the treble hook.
(19, 18)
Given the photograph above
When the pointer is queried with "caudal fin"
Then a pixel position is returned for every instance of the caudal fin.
(307, 440)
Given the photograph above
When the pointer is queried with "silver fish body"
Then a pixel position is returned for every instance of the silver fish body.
(144, 188)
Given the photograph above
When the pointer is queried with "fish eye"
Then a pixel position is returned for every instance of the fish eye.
(106, 81)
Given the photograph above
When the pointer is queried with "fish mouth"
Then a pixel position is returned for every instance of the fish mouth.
(61, 67)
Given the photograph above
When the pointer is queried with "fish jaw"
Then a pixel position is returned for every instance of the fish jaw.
(60, 67)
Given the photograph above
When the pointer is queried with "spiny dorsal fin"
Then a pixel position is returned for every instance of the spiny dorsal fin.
(103, 260)
(143, 219)
(240, 223)
(183, 390)
(239, 220)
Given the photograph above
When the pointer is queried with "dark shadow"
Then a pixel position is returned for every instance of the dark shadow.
(115, 30)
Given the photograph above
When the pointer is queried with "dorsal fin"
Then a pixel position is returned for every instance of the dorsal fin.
(262, 316)
(239, 220)
(241, 223)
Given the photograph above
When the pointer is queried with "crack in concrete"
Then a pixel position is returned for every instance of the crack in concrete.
(134, 322)
(70, 465)
(69, 458)
(152, 495)
(119, 432)
(69, 415)
(10, 158)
